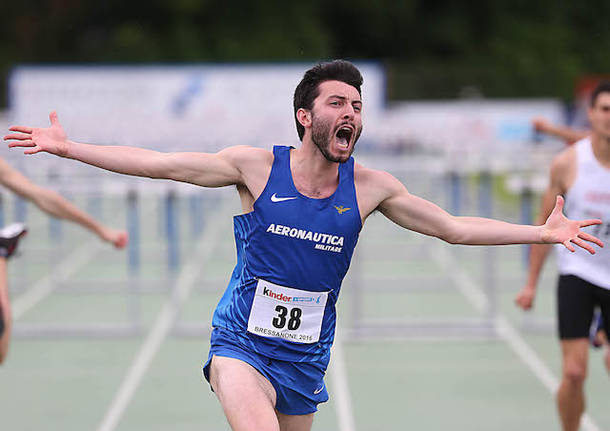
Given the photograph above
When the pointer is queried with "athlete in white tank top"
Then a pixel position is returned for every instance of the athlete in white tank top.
(588, 197)
(582, 174)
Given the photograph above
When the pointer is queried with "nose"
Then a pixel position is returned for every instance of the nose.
(349, 112)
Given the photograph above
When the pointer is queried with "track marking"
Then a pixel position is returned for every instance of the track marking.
(528, 356)
(45, 286)
(345, 413)
(165, 320)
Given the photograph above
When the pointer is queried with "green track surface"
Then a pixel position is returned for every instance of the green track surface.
(434, 383)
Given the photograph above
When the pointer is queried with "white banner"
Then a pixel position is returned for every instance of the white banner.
(186, 108)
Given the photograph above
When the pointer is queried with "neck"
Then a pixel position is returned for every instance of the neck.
(312, 173)
(601, 148)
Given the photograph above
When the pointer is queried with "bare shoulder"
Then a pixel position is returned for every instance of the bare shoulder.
(565, 159)
(373, 187)
(254, 166)
(563, 169)
(242, 155)
(376, 179)
(251, 162)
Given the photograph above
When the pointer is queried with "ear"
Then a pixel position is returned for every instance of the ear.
(304, 117)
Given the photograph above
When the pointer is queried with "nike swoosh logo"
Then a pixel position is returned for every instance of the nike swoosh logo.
(274, 198)
(317, 391)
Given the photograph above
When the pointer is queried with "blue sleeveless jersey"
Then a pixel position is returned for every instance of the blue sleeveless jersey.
(294, 241)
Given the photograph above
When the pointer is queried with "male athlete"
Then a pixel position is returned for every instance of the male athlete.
(597, 334)
(582, 174)
(303, 210)
(54, 205)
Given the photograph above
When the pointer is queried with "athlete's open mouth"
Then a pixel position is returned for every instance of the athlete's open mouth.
(344, 136)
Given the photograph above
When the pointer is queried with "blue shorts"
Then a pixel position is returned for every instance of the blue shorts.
(299, 386)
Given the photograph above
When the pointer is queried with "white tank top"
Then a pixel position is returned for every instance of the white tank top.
(589, 197)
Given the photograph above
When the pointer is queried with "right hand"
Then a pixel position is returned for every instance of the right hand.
(51, 139)
(525, 298)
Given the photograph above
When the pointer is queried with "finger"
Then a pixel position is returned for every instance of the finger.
(28, 143)
(579, 242)
(558, 208)
(18, 136)
(32, 151)
(559, 204)
(568, 245)
(23, 129)
(590, 222)
(591, 238)
(53, 118)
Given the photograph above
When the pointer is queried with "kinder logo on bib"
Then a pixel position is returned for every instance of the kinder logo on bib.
(281, 297)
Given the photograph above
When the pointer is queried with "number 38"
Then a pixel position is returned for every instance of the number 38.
(280, 320)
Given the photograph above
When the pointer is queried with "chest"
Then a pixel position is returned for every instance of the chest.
(315, 189)
(289, 214)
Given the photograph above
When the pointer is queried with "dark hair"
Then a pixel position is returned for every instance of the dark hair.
(308, 89)
(602, 87)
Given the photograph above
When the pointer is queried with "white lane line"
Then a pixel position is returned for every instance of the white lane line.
(45, 286)
(338, 372)
(165, 320)
(528, 356)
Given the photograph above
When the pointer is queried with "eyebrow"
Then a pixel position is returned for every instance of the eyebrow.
(336, 96)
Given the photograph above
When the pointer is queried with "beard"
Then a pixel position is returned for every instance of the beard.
(321, 135)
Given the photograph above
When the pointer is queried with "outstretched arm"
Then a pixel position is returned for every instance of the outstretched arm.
(209, 170)
(567, 134)
(55, 205)
(419, 215)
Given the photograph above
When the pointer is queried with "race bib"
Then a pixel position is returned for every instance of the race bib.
(291, 314)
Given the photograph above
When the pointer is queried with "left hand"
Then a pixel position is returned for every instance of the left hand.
(558, 229)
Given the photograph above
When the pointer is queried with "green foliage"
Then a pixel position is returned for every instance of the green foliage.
(433, 48)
